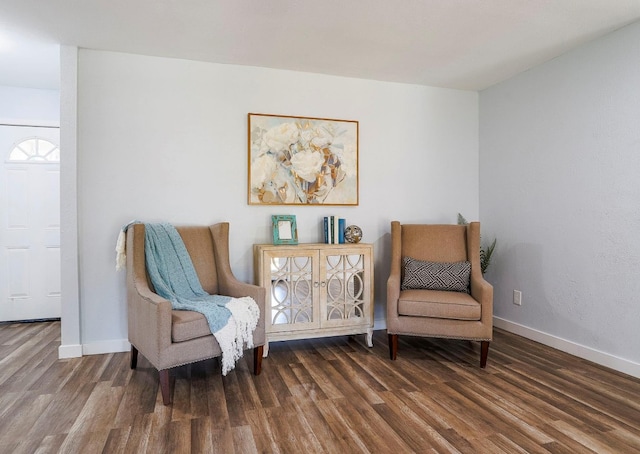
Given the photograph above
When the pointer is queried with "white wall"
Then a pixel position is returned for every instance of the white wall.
(165, 139)
(29, 106)
(560, 189)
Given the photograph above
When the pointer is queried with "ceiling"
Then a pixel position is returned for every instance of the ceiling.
(463, 44)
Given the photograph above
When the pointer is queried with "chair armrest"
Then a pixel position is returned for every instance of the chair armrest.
(482, 292)
(230, 286)
(393, 293)
(149, 322)
(395, 274)
(149, 315)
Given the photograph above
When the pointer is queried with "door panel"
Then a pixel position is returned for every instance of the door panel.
(30, 231)
(18, 261)
(17, 198)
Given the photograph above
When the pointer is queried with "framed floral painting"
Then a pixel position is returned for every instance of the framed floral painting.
(302, 161)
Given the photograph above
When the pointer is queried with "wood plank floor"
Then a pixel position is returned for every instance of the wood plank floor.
(325, 395)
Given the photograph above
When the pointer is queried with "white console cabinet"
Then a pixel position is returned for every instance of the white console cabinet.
(316, 290)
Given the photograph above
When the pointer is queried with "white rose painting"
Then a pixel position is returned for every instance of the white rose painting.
(302, 161)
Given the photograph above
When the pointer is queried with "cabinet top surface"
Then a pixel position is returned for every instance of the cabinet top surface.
(312, 245)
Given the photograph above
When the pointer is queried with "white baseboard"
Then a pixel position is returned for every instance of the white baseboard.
(70, 351)
(109, 346)
(604, 359)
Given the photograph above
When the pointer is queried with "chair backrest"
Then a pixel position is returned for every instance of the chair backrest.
(435, 242)
(200, 245)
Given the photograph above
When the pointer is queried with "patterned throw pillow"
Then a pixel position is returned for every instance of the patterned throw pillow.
(435, 275)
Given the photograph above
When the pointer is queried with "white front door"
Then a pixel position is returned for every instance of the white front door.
(29, 223)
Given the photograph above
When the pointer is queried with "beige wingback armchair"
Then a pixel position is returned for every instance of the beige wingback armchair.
(438, 313)
(169, 338)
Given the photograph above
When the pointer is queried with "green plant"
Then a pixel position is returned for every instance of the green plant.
(485, 252)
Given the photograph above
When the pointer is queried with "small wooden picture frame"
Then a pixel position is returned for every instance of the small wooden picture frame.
(285, 230)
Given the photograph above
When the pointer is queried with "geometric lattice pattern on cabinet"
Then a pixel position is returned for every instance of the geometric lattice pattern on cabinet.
(345, 289)
(291, 296)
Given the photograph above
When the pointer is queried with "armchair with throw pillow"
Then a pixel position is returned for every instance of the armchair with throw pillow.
(436, 288)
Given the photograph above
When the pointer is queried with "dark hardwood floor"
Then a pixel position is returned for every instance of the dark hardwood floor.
(326, 395)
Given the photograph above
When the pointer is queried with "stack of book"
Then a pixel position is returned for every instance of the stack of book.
(333, 228)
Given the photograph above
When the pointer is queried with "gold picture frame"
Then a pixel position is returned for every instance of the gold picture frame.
(302, 160)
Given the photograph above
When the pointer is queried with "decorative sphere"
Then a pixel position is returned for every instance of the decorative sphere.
(353, 234)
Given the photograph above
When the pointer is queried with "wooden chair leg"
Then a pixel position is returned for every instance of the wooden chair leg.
(484, 353)
(393, 346)
(164, 386)
(134, 357)
(257, 359)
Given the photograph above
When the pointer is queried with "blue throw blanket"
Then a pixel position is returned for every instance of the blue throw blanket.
(169, 266)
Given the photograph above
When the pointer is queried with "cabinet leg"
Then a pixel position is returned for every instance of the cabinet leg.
(370, 338)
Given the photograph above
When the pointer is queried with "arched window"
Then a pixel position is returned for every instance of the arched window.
(35, 149)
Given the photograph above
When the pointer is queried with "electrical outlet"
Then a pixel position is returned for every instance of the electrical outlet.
(517, 297)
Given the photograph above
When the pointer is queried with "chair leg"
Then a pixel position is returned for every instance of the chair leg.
(393, 346)
(484, 353)
(164, 386)
(134, 357)
(257, 359)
